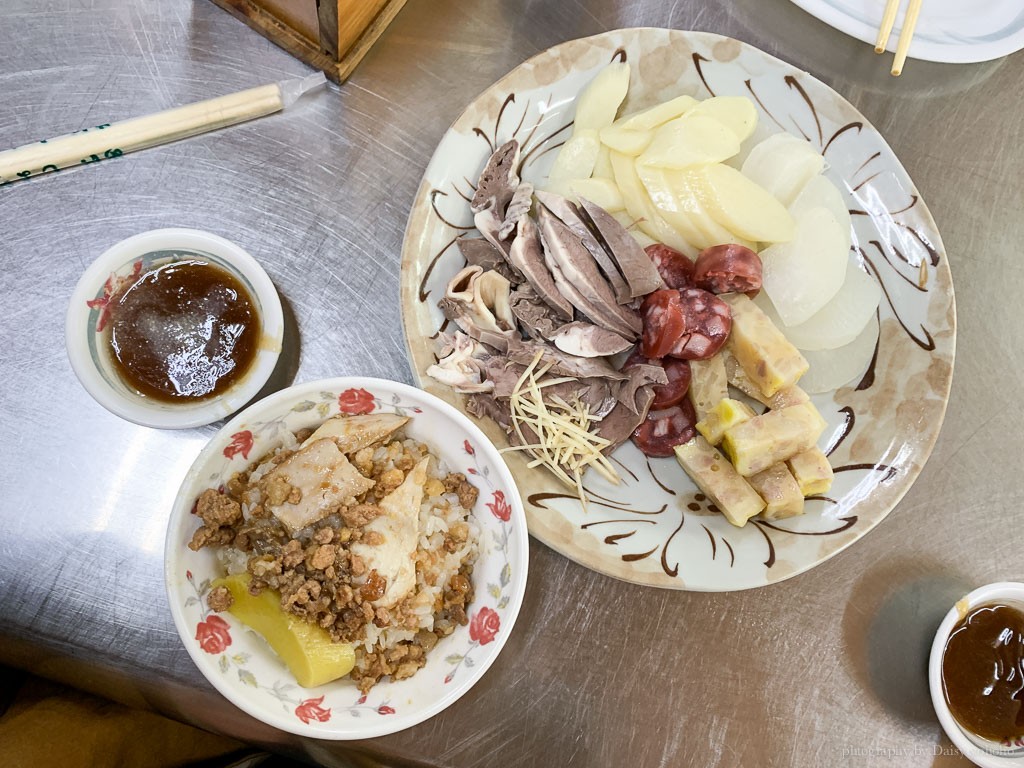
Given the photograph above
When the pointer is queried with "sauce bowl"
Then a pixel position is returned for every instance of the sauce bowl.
(980, 751)
(88, 318)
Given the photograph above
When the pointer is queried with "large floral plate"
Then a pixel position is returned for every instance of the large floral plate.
(655, 528)
(242, 666)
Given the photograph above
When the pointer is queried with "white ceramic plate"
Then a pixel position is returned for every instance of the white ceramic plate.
(655, 528)
(242, 666)
(954, 31)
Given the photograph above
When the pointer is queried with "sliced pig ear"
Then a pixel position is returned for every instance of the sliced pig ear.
(635, 265)
(461, 365)
(484, 296)
(499, 180)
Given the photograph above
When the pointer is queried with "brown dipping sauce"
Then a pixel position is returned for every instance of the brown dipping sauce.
(983, 672)
(183, 331)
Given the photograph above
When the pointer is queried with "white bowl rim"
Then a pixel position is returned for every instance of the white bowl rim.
(180, 416)
(394, 723)
(1005, 590)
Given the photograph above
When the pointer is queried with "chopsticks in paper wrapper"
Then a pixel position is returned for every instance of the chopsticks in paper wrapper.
(103, 142)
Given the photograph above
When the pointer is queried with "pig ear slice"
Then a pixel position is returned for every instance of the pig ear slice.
(352, 433)
(635, 265)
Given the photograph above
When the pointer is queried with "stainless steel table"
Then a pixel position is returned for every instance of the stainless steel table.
(827, 668)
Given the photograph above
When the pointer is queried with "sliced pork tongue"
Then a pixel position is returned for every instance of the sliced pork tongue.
(578, 279)
(527, 256)
(636, 266)
(569, 215)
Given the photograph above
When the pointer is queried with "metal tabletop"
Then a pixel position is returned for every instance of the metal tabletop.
(826, 668)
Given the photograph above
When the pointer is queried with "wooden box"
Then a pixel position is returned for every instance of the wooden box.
(331, 35)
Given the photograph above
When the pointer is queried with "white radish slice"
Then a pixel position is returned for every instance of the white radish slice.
(577, 157)
(599, 101)
(735, 112)
(783, 164)
(690, 140)
(833, 368)
(819, 191)
(743, 207)
(841, 320)
(802, 276)
(623, 140)
(603, 192)
(658, 114)
(630, 225)
(642, 210)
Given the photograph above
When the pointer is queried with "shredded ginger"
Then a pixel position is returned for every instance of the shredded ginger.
(564, 442)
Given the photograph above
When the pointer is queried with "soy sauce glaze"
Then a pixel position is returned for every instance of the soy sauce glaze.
(983, 672)
(183, 331)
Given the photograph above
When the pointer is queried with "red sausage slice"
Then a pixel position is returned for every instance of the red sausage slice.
(664, 323)
(663, 430)
(707, 322)
(675, 268)
(728, 268)
(678, 372)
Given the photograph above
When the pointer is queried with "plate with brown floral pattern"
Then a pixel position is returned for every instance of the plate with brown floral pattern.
(655, 527)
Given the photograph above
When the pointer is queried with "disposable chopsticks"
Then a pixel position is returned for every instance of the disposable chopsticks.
(906, 32)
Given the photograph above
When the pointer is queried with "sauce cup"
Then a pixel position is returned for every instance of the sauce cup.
(980, 751)
(88, 316)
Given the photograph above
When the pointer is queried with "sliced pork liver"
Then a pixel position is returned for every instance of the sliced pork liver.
(527, 256)
(636, 266)
(579, 279)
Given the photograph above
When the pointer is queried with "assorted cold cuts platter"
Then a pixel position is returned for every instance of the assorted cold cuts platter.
(684, 284)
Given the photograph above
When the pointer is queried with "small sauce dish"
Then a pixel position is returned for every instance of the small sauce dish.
(984, 752)
(190, 299)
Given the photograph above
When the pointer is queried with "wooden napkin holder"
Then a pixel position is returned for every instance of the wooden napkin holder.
(330, 35)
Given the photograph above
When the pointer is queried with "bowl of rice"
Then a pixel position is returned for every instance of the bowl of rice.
(371, 517)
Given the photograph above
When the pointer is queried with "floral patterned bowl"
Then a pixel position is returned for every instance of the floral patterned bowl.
(242, 666)
(89, 313)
